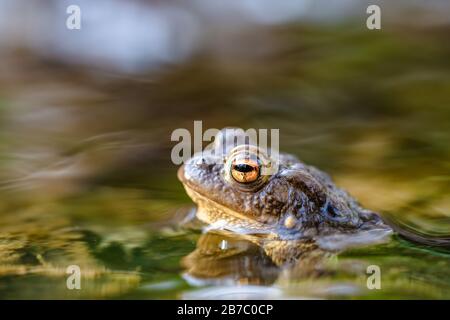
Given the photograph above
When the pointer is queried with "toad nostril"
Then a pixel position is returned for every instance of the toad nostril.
(205, 165)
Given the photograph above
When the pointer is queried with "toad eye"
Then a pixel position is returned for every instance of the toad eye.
(245, 170)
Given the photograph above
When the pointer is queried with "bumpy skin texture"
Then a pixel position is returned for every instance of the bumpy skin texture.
(297, 202)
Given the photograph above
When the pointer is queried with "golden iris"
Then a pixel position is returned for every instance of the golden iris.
(245, 170)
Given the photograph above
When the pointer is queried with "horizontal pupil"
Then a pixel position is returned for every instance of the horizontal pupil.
(243, 167)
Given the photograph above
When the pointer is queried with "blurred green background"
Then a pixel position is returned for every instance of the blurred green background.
(86, 117)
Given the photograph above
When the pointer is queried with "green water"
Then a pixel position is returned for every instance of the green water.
(87, 178)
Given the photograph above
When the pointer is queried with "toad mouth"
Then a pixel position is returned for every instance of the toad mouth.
(218, 215)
